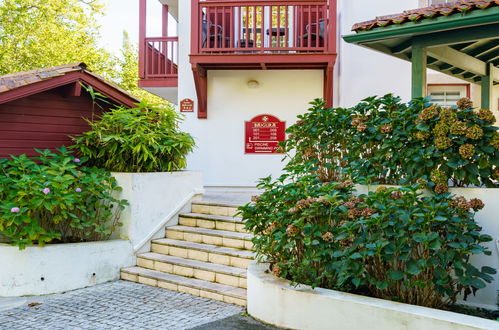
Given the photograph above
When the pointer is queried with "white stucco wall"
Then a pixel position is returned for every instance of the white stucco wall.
(363, 72)
(61, 267)
(154, 200)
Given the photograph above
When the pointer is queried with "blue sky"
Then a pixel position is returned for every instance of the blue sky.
(124, 15)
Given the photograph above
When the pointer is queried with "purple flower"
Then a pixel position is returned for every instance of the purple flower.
(15, 210)
(78, 190)
(77, 160)
(46, 191)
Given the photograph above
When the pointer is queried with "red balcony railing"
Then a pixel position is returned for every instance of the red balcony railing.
(161, 57)
(263, 26)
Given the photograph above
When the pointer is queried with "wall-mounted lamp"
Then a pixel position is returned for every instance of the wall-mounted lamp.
(253, 83)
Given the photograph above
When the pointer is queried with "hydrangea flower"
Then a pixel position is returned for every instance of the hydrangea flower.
(46, 191)
(78, 190)
(15, 210)
(76, 160)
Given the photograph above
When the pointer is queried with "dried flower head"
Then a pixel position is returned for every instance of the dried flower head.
(254, 198)
(293, 210)
(276, 270)
(422, 135)
(448, 115)
(464, 103)
(486, 115)
(328, 237)
(396, 195)
(387, 128)
(367, 212)
(460, 203)
(438, 176)
(495, 141)
(441, 128)
(356, 121)
(346, 184)
(474, 132)
(458, 128)
(422, 181)
(309, 152)
(270, 229)
(430, 112)
(361, 127)
(476, 204)
(349, 205)
(443, 142)
(441, 188)
(495, 174)
(300, 122)
(292, 230)
(467, 151)
(381, 189)
(354, 213)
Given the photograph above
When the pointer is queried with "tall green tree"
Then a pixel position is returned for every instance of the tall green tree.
(43, 33)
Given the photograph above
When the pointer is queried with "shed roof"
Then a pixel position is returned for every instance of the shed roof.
(23, 84)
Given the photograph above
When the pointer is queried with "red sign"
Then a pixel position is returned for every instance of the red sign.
(187, 105)
(263, 134)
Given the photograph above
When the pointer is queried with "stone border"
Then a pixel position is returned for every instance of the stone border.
(61, 267)
(274, 301)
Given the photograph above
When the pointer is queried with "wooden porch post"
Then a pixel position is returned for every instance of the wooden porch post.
(165, 21)
(487, 86)
(142, 37)
(419, 61)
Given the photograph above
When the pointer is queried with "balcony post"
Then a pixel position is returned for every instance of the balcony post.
(142, 37)
(332, 22)
(195, 27)
(165, 21)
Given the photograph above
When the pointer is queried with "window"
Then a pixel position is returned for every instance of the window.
(447, 95)
(446, 99)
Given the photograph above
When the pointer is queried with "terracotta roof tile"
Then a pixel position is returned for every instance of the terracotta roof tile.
(425, 13)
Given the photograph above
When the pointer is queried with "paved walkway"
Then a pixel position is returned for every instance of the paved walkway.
(122, 305)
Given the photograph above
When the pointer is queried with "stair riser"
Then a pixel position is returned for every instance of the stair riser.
(210, 239)
(215, 258)
(212, 224)
(181, 288)
(214, 210)
(186, 271)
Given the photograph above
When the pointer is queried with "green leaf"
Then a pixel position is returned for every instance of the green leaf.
(396, 275)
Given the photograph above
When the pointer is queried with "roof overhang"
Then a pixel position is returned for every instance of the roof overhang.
(463, 45)
(172, 7)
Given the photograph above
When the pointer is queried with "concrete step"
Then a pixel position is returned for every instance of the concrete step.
(203, 252)
(206, 271)
(223, 209)
(187, 285)
(211, 236)
(210, 221)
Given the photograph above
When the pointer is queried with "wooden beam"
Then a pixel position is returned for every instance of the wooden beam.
(457, 59)
(419, 63)
(458, 36)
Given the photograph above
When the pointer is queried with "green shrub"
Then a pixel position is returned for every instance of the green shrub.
(54, 198)
(392, 244)
(141, 139)
(382, 140)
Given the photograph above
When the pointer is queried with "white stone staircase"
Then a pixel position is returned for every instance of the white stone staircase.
(205, 255)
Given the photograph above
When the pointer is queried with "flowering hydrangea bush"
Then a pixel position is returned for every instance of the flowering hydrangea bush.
(391, 244)
(382, 140)
(54, 198)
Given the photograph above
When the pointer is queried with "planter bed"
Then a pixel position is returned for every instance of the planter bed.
(275, 301)
(61, 267)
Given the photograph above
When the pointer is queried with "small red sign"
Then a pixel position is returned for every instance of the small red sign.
(187, 105)
(263, 134)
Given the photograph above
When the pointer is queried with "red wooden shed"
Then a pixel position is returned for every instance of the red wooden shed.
(42, 108)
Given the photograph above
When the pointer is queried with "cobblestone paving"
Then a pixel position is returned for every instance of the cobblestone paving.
(117, 305)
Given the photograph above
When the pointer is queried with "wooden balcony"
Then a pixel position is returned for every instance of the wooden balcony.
(158, 58)
(262, 35)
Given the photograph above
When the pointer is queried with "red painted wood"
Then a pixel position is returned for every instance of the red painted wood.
(142, 36)
(44, 121)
